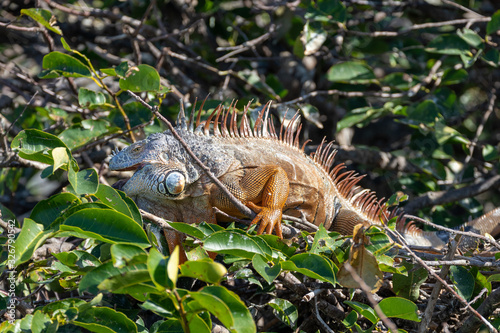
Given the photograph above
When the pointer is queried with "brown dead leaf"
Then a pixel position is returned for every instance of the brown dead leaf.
(363, 262)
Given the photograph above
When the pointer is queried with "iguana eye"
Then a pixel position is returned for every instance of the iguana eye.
(137, 149)
(175, 182)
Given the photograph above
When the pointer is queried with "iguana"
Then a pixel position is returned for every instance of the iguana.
(267, 170)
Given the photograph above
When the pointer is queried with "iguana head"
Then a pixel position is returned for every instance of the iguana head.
(163, 168)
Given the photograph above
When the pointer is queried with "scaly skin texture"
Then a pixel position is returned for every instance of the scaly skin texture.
(266, 171)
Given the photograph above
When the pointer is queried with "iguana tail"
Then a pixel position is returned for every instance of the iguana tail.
(486, 224)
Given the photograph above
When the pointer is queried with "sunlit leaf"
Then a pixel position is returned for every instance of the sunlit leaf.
(397, 307)
(60, 64)
(141, 78)
(44, 17)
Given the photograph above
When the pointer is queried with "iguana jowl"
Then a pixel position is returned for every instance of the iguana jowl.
(268, 171)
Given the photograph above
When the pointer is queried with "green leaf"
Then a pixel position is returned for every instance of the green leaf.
(30, 238)
(162, 275)
(44, 17)
(350, 72)
(267, 272)
(312, 265)
(90, 99)
(172, 325)
(452, 76)
(490, 153)
(285, 311)
(106, 225)
(253, 78)
(326, 11)
(189, 229)
(313, 37)
(319, 238)
(173, 265)
(124, 254)
(446, 134)
(350, 319)
(463, 281)
(364, 310)
(205, 270)
(409, 286)
(448, 44)
(227, 307)
(197, 324)
(277, 244)
(361, 117)
(66, 45)
(88, 130)
(112, 198)
(92, 279)
(495, 277)
(85, 181)
(108, 71)
(397, 307)
(42, 323)
(237, 244)
(102, 319)
(47, 211)
(122, 69)
(134, 283)
(491, 57)
(311, 113)
(78, 260)
(426, 112)
(60, 64)
(35, 145)
(471, 37)
(494, 25)
(62, 157)
(141, 78)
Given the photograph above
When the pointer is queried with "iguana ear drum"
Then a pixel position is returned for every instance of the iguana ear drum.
(174, 183)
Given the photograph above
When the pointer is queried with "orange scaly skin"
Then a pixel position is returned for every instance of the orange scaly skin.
(265, 170)
(267, 185)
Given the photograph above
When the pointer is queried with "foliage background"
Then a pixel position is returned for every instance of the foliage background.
(407, 89)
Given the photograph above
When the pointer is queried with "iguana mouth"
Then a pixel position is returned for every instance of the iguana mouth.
(135, 167)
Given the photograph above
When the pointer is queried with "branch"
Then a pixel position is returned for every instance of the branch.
(431, 303)
(442, 197)
(367, 290)
(438, 278)
(490, 304)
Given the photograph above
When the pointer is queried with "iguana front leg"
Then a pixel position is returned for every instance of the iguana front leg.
(264, 190)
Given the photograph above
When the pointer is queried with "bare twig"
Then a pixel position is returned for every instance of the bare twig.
(442, 197)
(437, 277)
(486, 308)
(246, 45)
(332, 92)
(431, 303)
(479, 130)
(156, 220)
(419, 27)
(321, 322)
(367, 291)
(22, 112)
